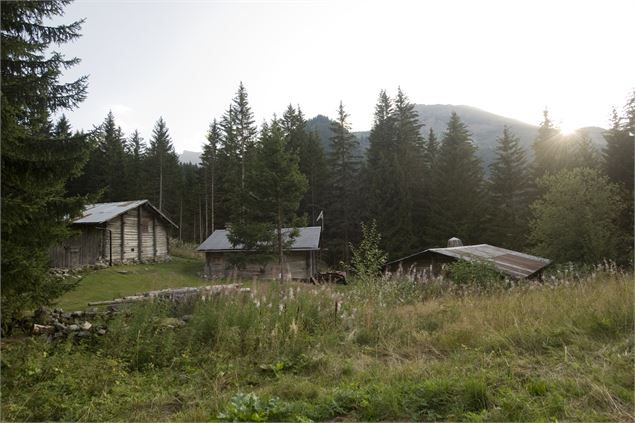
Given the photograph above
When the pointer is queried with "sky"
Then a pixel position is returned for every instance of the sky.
(184, 60)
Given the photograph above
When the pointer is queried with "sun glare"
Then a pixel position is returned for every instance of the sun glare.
(567, 128)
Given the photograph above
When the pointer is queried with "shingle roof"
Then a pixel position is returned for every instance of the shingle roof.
(512, 263)
(307, 239)
(103, 212)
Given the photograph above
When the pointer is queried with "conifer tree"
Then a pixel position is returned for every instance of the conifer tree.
(311, 159)
(135, 156)
(162, 168)
(275, 186)
(343, 168)
(457, 196)
(620, 147)
(585, 154)
(551, 149)
(209, 162)
(239, 140)
(112, 161)
(510, 184)
(431, 150)
(36, 162)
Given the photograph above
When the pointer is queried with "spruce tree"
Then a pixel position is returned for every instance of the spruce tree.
(37, 162)
(510, 184)
(162, 168)
(274, 188)
(343, 166)
(458, 201)
(135, 156)
(209, 162)
(432, 149)
(239, 133)
(584, 153)
(551, 149)
(112, 161)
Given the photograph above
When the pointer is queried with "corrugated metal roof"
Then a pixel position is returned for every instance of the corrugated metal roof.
(513, 263)
(307, 239)
(103, 212)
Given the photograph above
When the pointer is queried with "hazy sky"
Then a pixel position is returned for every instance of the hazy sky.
(184, 60)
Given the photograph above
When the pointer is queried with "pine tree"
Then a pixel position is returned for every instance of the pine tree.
(585, 154)
(209, 162)
(311, 159)
(551, 149)
(510, 185)
(238, 144)
(432, 149)
(457, 203)
(162, 168)
(619, 152)
(112, 161)
(275, 186)
(37, 161)
(135, 156)
(343, 168)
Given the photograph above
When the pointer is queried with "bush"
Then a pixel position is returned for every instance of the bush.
(474, 273)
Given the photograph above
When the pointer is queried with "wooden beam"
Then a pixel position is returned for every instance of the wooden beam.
(154, 237)
(122, 236)
(139, 244)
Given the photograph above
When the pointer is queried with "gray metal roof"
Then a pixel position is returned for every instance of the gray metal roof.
(307, 239)
(512, 263)
(103, 212)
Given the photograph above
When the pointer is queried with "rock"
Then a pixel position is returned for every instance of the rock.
(171, 322)
(187, 317)
(101, 332)
(39, 329)
(59, 326)
(66, 316)
(73, 328)
(123, 272)
(58, 335)
(77, 314)
(83, 334)
(86, 326)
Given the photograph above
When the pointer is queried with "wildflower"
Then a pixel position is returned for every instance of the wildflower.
(293, 327)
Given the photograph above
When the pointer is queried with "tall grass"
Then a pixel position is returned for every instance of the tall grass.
(389, 349)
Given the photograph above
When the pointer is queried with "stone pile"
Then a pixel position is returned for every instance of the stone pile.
(57, 323)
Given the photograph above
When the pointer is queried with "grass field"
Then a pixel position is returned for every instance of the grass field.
(117, 281)
(384, 350)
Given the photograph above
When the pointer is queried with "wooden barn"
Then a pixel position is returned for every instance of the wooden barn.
(300, 260)
(121, 232)
(430, 262)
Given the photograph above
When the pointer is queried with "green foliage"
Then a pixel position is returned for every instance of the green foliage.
(343, 165)
(37, 159)
(509, 189)
(552, 151)
(393, 175)
(250, 408)
(577, 218)
(367, 258)
(457, 192)
(478, 273)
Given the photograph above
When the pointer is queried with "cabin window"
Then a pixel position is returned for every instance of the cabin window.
(145, 227)
(217, 260)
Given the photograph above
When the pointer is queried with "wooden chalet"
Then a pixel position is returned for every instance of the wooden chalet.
(120, 232)
(300, 260)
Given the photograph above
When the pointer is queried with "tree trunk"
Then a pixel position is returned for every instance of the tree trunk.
(280, 255)
(161, 184)
(181, 220)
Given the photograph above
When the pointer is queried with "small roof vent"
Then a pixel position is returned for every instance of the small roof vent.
(454, 242)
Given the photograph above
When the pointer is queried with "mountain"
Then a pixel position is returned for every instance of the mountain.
(484, 126)
(192, 157)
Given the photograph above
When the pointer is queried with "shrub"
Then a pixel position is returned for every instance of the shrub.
(473, 273)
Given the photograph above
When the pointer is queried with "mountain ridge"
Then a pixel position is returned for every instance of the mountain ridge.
(485, 127)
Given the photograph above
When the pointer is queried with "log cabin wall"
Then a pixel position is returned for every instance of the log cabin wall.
(297, 265)
(83, 249)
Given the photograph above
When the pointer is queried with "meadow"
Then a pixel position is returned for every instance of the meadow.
(373, 350)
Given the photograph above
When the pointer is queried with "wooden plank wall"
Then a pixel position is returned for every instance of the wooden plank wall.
(296, 266)
(81, 250)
